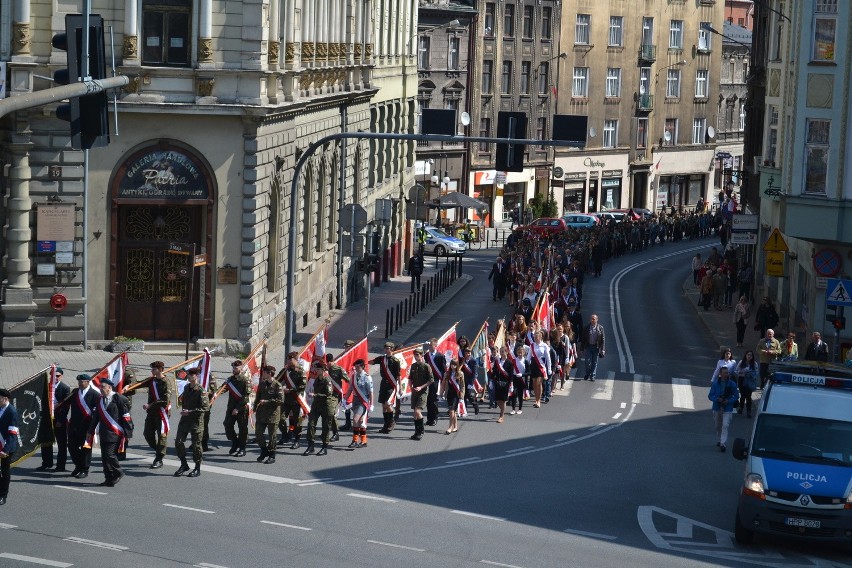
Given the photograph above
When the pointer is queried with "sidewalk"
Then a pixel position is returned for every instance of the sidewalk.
(720, 323)
(347, 323)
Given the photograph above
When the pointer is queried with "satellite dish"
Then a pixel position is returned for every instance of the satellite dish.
(642, 89)
(592, 132)
(465, 118)
(667, 136)
(711, 132)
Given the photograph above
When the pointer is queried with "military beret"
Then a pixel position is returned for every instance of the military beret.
(84, 377)
(59, 371)
(5, 393)
(359, 362)
(107, 382)
(293, 355)
(236, 363)
(269, 369)
(320, 364)
(329, 357)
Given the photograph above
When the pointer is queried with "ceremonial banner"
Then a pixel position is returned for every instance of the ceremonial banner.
(204, 362)
(31, 398)
(479, 350)
(448, 345)
(314, 348)
(406, 359)
(542, 312)
(500, 340)
(114, 371)
(347, 360)
(254, 362)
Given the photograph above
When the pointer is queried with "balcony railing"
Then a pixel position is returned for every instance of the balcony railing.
(646, 102)
(648, 52)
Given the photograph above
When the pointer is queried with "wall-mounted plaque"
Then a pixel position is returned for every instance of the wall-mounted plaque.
(227, 275)
(55, 222)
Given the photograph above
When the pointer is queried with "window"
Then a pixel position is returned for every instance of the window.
(484, 132)
(613, 82)
(452, 103)
(644, 80)
(528, 22)
(816, 155)
(701, 83)
(641, 133)
(610, 134)
(526, 69)
(825, 32)
(772, 144)
(546, 22)
(166, 35)
(742, 116)
(509, 20)
(670, 132)
(699, 127)
(826, 6)
(581, 82)
(506, 81)
(453, 55)
(487, 75)
(673, 83)
(543, 78)
(647, 31)
(616, 31)
(541, 131)
(741, 22)
(581, 29)
(423, 53)
(676, 34)
(488, 21)
(704, 37)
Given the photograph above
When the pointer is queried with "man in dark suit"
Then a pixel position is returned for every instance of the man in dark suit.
(61, 392)
(575, 318)
(84, 400)
(8, 441)
(817, 349)
(496, 277)
(594, 346)
(114, 426)
(389, 386)
(437, 364)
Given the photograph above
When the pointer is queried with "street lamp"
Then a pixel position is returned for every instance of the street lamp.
(680, 63)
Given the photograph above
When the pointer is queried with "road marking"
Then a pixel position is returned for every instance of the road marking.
(232, 472)
(477, 515)
(464, 460)
(206, 565)
(623, 405)
(81, 489)
(616, 416)
(34, 560)
(599, 426)
(297, 527)
(5, 526)
(525, 448)
(590, 534)
(492, 563)
(641, 389)
(95, 543)
(682, 394)
(604, 391)
(205, 511)
(372, 497)
(392, 545)
(398, 470)
(566, 438)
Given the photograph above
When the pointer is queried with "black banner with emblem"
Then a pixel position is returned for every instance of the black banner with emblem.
(31, 398)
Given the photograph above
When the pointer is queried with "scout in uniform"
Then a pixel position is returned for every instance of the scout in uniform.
(84, 399)
(420, 378)
(294, 382)
(389, 387)
(361, 390)
(158, 409)
(194, 403)
(114, 427)
(323, 406)
(339, 379)
(236, 413)
(267, 413)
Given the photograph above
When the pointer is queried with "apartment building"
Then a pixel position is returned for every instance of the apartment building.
(740, 13)
(731, 118)
(224, 98)
(646, 74)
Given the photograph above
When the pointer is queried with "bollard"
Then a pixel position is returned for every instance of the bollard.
(407, 312)
(387, 323)
(461, 257)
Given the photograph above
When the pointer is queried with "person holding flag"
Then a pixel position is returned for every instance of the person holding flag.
(294, 383)
(361, 387)
(236, 414)
(468, 366)
(323, 406)
(339, 378)
(389, 387)
(438, 365)
(420, 378)
(114, 427)
(61, 403)
(194, 403)
(8, 442)
(84, 399)
(452, 387)
(347, 345)
(267, 412)
(158, 409)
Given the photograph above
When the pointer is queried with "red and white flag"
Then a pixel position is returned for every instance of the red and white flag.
(542, 312)
(114, 371)
(203, 362)
(347, 360)
(448, 345)
(406, 359)
(315, 348)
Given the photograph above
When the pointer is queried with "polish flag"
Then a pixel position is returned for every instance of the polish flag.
(347, 360)
(542, 312)
(114, 371)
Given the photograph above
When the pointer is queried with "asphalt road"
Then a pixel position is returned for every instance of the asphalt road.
(619, 472)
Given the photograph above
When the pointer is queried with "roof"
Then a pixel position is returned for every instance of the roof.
(447, 5)
(735, 32)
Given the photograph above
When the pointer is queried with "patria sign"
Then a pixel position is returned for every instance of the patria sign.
(590, 163)
(163, 174)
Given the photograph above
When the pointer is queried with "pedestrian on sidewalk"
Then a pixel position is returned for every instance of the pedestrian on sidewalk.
(817, 349)
(789, 349)
(696, 266)
(706, 290)
(415, 269)
(726, 361)
(765, 317)
(742, 311)
(723, 394)
(747, 376)
(768, 349)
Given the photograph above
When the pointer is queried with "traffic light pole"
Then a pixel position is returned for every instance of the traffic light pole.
(56, 94)
(290, 324)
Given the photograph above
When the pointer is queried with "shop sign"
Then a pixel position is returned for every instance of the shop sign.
(611, 182)
(662, 198)
(542, 173)
(592, 163)
(575, 175)
(163, 175)
(612, 173)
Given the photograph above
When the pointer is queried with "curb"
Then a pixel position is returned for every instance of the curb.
(418, 322)
(722, 338)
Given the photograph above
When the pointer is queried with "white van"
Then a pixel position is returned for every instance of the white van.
(798, 473)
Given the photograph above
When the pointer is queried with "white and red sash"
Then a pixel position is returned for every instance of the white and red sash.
(436, 372)
(386, 372)
(81, 403)
(292, 386)
(476, 384)
(163, 411)
(109, 421)
(462, 409)
(233, 390)
(365, 401)
(538, 362)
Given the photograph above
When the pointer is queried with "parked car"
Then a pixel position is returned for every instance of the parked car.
(611, 216)
(580, 220)
(545, 226)
(441, 243)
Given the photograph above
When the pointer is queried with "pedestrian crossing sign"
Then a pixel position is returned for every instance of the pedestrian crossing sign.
(837, 292)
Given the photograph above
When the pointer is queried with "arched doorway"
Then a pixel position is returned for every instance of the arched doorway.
(162, 196)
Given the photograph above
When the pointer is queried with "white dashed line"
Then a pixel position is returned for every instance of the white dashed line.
(94, 543)
(206, 565)
(371, 497)
(590, 534)
(605, 388)
(81, 489)
(623, 405)
(641, 389)
(566, 438)
(616, 416)
(399, 470)
(525, 448)
(34, 560)
(682, 394)
(465, 460)
(205, 511)
(598, 427)
(392, 545)
(286, 526)
(5, 526)
(492, 563)
(477, 515)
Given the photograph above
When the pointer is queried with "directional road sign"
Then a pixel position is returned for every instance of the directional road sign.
(353, 218)
(353, 245)
(838, 292)
(745, 223)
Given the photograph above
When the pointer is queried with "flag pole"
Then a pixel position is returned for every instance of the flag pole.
(313, 337)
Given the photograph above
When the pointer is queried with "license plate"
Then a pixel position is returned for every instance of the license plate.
(806, 523)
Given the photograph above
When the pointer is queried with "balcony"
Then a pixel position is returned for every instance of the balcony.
(645, 102)
(648, 52)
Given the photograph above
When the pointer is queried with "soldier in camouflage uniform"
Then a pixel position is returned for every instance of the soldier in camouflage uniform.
(158, 409)
(194, 403)
(420, 378)
(323, 406)
(237, 411)
(267, 412)
(341, 379)
(294, 383)
(212, 389)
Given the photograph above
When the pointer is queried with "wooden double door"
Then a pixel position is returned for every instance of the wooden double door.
(153, 284)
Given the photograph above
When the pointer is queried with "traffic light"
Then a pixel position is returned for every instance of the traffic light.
(839, 323)
(88, 115)
(510, 157)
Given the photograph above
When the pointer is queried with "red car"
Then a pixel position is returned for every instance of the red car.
(545, 226)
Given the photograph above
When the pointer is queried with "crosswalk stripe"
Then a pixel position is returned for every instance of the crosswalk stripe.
(682, 394)
(604, 392)
(641, 389)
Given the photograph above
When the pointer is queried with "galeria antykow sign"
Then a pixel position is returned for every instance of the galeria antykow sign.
(169, 175)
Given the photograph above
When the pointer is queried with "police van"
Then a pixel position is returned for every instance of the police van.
(436, 241)
(798, 473)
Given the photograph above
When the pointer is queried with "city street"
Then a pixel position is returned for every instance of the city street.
(622, 471)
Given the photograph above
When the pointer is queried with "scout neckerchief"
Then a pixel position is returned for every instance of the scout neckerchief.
(163, 411)
(462, 410)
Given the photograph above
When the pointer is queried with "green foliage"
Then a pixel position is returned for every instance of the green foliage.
(122, 339)
(543, 206)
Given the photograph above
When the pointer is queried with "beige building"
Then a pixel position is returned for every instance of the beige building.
(224, 98)
(646, 74)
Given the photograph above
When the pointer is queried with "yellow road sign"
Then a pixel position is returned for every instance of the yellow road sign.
(776, 242)
(774, 263)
